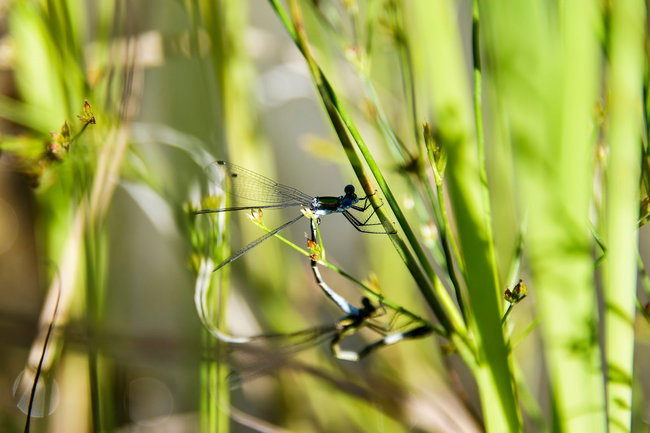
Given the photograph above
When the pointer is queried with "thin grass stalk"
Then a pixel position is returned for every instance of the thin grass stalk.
(68, 56)
(99, 374)
(214, 397)
(447, 240)
(477, 99)
(342, 128)
(224, 21)
(400, 245)
(441, 217)
(407, 73)
(39, 367)
(451, 250)
(210, 300)
(622, 206)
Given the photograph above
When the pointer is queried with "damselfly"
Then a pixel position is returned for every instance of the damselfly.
(392, 324)
(257, 355)
(251, 191)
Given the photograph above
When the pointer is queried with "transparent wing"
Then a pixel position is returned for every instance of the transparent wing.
(255, 243)
(250, 188)
(264, 354)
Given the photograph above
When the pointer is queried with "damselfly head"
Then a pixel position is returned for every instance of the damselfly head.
(349, 191)
(367, 307)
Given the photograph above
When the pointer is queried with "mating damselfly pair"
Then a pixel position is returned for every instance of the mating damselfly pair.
(251, 191)
(248, 190)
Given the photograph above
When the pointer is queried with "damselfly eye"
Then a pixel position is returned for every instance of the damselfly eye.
(349, 189)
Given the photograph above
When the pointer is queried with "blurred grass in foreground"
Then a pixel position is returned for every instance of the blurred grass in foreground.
(505, 141)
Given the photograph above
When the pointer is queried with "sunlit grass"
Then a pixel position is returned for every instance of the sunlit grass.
(496, 141)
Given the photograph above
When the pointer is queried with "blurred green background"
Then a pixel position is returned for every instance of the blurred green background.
(102, 229)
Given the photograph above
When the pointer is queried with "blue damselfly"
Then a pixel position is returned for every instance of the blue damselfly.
(252, 191)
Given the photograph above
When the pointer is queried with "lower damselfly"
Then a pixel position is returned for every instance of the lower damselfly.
(390, 322)
(252, 191)
(257, 355)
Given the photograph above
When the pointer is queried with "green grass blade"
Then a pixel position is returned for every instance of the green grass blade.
(543, 62)
(440, 63)
(621, 208)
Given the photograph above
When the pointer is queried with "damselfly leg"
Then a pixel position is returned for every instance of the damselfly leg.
(365, 226)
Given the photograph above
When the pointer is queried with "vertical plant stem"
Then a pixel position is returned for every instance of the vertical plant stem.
(447, 238)
(440, 65)
(214, 398)
(225, 21)
(439, 212)
(621, 206)
(99, 375)
(554, 160)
